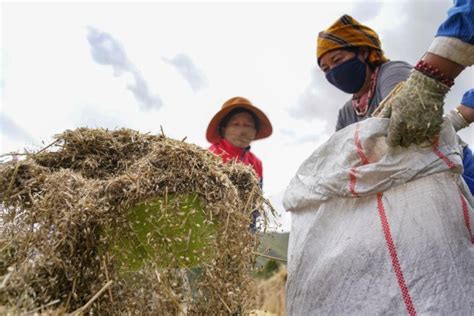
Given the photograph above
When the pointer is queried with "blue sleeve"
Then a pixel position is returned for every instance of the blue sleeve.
(460, 22)
(468, 99)
(468, 163)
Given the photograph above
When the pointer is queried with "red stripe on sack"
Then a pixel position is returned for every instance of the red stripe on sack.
(360, 149)
(467, 220)
(443, 157)
(352, 182)
(393, 255)
(446, 160)
(363, 158)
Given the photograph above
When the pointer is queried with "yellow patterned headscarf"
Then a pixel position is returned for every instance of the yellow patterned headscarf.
(348, 33)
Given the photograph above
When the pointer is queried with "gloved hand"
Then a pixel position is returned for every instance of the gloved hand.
(456, 118)
(415, 109)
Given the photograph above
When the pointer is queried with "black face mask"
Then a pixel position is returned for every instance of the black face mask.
(348, 76)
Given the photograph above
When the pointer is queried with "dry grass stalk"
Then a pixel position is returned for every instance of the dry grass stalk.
(65, 209)
(271, 296)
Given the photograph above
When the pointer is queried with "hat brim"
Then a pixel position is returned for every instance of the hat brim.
(265, 128)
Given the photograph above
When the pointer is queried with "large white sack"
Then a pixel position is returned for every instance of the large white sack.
(377, 230)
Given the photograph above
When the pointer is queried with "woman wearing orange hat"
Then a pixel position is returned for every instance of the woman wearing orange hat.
(231, 132)
(351, 56)
(234, 127)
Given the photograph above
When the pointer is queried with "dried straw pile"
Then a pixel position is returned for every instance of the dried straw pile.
(69, 238)
(271, 297)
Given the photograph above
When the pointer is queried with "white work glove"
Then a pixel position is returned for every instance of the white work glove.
(415, 109)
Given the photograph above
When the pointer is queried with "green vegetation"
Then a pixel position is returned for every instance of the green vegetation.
(273, 244)
(156, 233)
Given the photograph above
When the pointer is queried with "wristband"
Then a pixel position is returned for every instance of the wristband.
(433, 72)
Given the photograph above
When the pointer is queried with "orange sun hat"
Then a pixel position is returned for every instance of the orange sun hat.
(265, 127)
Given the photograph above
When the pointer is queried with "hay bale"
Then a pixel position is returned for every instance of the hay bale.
(272, 292)
(115, 221)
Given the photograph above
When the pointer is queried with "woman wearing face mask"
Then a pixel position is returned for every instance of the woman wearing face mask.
(351, 56)
(231, 132)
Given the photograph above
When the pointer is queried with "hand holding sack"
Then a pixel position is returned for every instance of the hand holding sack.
(457, 119)
(366, 222)
(415, 109)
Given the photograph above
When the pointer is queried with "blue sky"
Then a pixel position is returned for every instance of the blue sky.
(151, 64)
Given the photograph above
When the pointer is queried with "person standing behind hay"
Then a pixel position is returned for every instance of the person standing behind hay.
(232, 130)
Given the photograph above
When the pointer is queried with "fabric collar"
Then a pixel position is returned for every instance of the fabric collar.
(361, 104)
(233, 150)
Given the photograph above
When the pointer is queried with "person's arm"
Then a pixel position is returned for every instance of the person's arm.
(463, 114)
(468, 166)
(415, 108)
(454, 40)
(467, 106)
(467, 113)
(448, 67)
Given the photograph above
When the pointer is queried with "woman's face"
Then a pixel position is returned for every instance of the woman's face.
(347, 70)
(334, 58)
(240, 131)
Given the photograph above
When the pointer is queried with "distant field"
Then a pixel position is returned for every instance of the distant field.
(273, 244)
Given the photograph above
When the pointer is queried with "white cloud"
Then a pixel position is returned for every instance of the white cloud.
(92, 117)
(366, 11)
(12, 130)
(319, 100)
(106, 50)
(185, 66)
